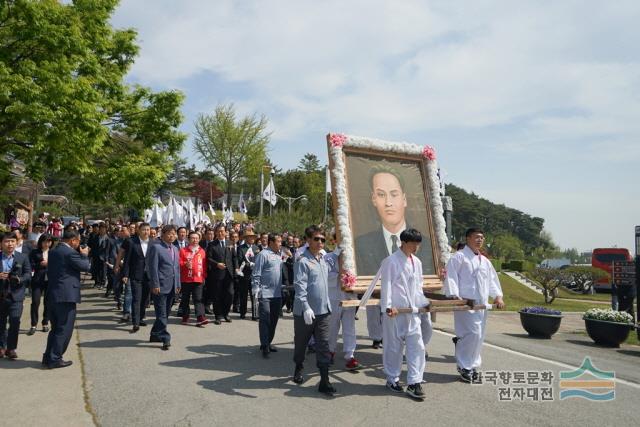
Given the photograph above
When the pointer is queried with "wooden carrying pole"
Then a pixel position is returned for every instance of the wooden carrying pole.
(436, 306)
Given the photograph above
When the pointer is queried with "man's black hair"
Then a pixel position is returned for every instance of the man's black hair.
(272, 237)
(313, 229)
(472, 230)
(9, 235)
(411, 235)
(168, 228)
(385, 169)
(70, 234)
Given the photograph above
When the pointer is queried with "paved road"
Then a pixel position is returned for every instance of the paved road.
(215, 376)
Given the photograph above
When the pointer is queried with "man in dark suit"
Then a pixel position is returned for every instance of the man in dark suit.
(66, 261)
(135, 273)
(14, 278)
(182, 241)
(220, 273)
(390, 201)
(164, 276)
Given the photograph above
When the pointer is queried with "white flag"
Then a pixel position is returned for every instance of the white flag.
(269, 193)
(242, 207)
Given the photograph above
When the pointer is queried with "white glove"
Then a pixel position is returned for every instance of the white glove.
(308, 316)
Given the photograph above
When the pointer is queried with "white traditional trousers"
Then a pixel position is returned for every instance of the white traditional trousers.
(470, 327)
(392, 354)
(374, 322)
(347, 319)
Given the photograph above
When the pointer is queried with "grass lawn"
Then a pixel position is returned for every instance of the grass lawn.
(563, 293)
(517, 296)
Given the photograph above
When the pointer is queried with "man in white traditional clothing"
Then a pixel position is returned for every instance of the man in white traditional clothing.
(402, 288)
(470, 275)
(345, 317)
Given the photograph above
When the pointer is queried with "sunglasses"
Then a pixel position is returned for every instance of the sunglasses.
(320, 239)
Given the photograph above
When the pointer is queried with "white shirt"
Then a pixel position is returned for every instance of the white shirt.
(471, 276)
(144, 244)
(387, 237)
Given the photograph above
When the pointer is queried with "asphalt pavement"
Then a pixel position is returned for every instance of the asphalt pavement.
(216, 376)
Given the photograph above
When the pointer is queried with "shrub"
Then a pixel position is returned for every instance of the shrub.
(515, 265)
(608, 315)
(497, 264)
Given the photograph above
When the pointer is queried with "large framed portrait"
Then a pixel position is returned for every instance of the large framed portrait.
(382, 188)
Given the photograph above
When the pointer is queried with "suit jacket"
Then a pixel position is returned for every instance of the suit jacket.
(177, 245)
(371, 249)
(102, 248)
(39, 271)
(19, 277)
(65, 265)
(135, 261)
(163, 267)
(217, 254)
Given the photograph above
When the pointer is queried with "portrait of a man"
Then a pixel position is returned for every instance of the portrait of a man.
(386, 196)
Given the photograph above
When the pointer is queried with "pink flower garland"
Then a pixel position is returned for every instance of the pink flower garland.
(428, 152)
(337, 140)
(348, 280)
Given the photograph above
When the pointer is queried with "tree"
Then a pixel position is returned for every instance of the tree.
(309, 163)
(507, 246)
(206, 191)
(549, 279)
(65, 106)
(232, 147)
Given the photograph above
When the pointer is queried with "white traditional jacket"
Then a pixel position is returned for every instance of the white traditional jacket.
(402, 288)
(471, 276)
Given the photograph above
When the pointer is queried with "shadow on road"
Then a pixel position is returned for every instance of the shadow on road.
(20, 364)
(118, 343)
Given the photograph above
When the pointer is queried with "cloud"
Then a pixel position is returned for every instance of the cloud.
(524, 83)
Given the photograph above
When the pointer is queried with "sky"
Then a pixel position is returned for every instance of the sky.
(531, 104)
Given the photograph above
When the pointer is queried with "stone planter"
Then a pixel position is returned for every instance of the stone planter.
(540, 325)
(608, 334)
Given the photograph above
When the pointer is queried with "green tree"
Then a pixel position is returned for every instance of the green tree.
(309, 163)
(549, 279)
(232, 147)
(507, 246)
(65, 106)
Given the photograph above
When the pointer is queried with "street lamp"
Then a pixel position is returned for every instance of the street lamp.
(290, 200)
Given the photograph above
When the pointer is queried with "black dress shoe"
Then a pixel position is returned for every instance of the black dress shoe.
(227, 319)
(272, 349)
(297, 375)
(60, 364)
(143, 323)
(216, 321)
(166, 346)
(135, 329)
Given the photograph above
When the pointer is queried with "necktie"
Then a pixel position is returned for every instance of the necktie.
(394, 243)
(173, 256)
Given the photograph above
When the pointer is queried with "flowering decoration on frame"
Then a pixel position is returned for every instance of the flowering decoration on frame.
(337, 139)
(428, 152)
(348, 280)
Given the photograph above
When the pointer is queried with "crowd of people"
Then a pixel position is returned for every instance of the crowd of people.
(211, 271)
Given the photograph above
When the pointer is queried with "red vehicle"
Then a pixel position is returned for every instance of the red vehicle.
(603, 258)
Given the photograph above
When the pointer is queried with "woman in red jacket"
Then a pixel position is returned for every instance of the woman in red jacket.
(193, 271)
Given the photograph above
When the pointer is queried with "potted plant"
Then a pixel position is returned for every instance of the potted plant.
(607, 327)
(540, 322)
